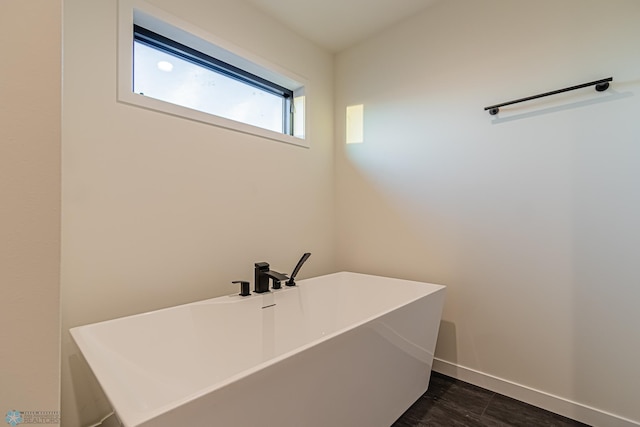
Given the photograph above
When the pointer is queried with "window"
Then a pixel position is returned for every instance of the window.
(164, 66)
(173, 72)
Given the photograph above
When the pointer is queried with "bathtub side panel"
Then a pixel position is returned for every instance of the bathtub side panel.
(367, 376)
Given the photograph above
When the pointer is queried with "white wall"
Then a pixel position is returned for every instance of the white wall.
(159, 210)
(531, 221)
(30, 93)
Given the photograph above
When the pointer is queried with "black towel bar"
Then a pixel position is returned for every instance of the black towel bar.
(601, 85)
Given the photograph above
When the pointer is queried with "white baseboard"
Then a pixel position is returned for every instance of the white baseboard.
(559, 405)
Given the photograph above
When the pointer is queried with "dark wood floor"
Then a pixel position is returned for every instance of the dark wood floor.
(453, 403)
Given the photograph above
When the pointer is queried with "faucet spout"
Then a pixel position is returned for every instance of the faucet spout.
(277, 278)
(291, 281)
(262, 276)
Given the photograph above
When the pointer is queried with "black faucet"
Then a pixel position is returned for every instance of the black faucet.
(262, 274)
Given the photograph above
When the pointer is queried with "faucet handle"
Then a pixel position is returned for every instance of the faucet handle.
(244, 288)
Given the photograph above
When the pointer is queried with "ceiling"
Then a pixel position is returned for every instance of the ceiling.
(338, 24)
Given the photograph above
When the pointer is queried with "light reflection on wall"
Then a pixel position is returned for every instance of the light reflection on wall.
(355, 124)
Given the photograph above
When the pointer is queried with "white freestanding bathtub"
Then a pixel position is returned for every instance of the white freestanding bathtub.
(344, 349)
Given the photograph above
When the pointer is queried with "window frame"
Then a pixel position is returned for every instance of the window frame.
(224, 54)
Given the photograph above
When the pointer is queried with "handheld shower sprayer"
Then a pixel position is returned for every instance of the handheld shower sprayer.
(291, 281)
